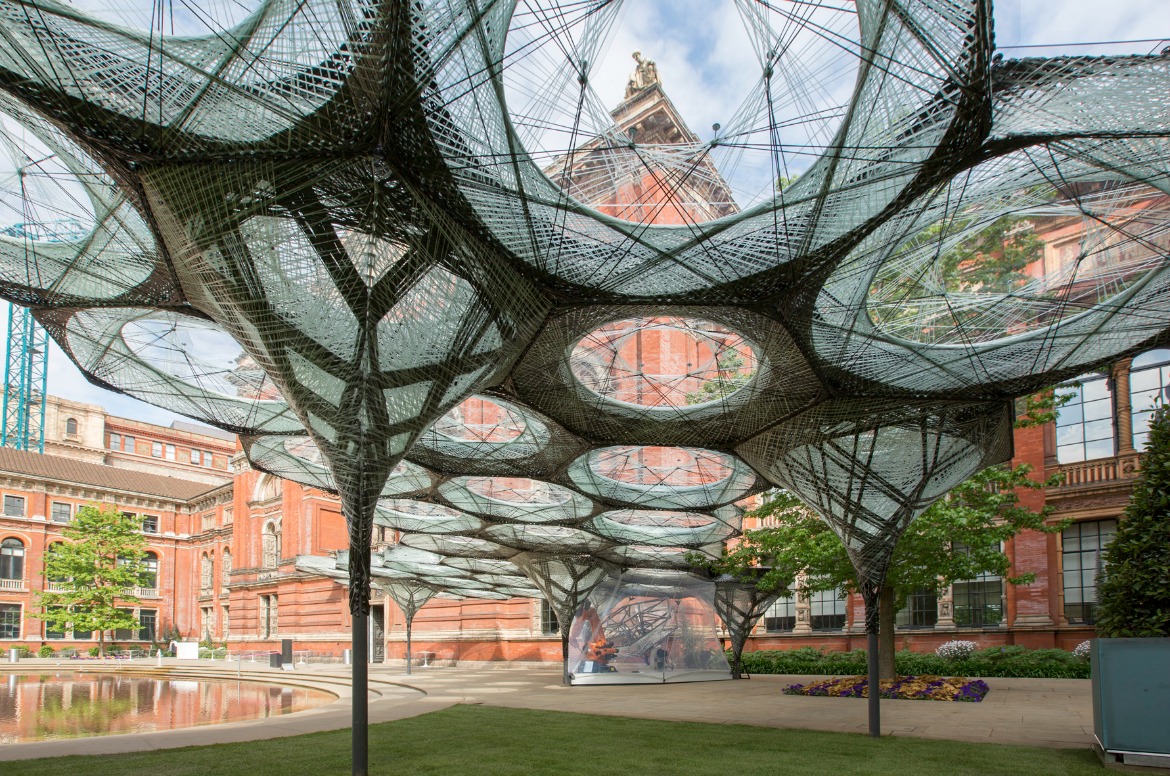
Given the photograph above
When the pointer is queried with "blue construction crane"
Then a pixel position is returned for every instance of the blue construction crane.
(27, 352)
(25, 380)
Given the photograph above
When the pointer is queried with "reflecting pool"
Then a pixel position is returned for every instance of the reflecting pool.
(66, 704)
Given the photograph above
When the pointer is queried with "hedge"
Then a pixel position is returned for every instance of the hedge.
(1010, 661)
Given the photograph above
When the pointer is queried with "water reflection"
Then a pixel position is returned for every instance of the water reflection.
(38, 707)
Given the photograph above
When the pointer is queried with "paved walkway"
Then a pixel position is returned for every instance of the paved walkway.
(1040, 712)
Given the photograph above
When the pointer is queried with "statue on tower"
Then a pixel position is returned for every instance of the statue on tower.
(645, 75)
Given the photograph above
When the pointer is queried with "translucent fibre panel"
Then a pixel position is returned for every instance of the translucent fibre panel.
(663, 361)
(170, 19)
(483, 427)
(515, 498)
(663, 477)
(179, 362)
(297, 283)
(660, 528)
(423, 517)
(546, 538)
(197, 352)
(64, 224)
(773, 93)
(433, 320)
(458, 546)
(1001, 252)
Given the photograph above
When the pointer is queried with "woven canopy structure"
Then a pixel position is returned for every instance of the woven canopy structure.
(325, 224)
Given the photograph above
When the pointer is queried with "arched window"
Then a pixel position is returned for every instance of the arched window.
(12, 559)
(150, 566)
(267, 488)
(71, 426)
(1084, 425)
(1149, 388)
(206, 572)
(271, 546)
(225, 564)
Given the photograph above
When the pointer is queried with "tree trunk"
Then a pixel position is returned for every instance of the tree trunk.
(101, 643)
(886, 614)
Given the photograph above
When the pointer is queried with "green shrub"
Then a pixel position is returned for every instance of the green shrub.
(21, 649)
(94, 651)
(1009, 661)
(45, 651)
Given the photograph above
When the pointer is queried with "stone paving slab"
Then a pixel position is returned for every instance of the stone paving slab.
(1038, 712)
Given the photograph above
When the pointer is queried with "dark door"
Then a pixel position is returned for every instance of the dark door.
(378, 634)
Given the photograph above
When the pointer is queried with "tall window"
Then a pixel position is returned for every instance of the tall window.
(71, 426)
(921, 610)
(56, 634)
(978, 602)
(225, 563)
(170, 452)
(207, 458)
(781, 616)
(1149, 388)
(9, 621)
(14, 506)
(126, 634)
(1084, 426)
(156, 449)
(194, 456)
(60, 512)
(12, 559)
(147, 624)
(1082, 545)
(827, 610)
(150, 567)
(549, 625)
(150, 524)
(271, 546)
(268, 609)
(115, 441)
(128, 444)
(206, 573)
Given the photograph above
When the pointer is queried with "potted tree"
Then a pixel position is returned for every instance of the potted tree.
(1131, 657)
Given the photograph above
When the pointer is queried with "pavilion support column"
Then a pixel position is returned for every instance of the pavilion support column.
(871, 592)
(408, 622)
(566, 680)
(359, 514)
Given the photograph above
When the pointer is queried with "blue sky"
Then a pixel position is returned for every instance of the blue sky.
(698, 47)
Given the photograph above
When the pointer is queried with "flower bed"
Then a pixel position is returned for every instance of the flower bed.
(918, 688)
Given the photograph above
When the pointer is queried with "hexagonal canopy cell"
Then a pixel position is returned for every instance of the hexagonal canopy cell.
(662, 528)
(66, 228)
(482, 426)
(663, 477)
(680, 177)
(1011, 255)
(187, 364)
(519, 499)
(663, 361)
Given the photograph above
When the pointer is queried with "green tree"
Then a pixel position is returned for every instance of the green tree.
(730, 376)
(98, 566)
(957, 538)
(1133, 596)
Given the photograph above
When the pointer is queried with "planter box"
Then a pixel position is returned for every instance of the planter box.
(1131, 700)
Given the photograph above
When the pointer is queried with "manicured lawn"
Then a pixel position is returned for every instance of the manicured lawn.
(486, 741)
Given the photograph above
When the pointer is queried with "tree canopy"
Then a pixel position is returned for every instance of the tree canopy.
(97, 569)
(1133, 595)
